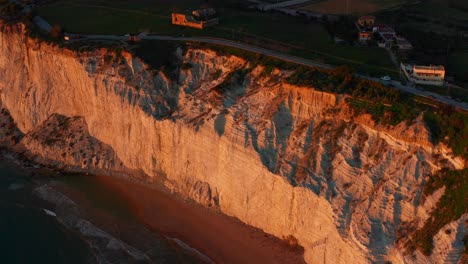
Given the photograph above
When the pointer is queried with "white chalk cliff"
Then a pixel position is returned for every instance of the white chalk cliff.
(289, 160)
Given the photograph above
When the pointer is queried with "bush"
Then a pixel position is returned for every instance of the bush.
(451, 206)
(450, 127)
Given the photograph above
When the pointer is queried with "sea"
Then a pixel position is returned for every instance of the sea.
(28, 234)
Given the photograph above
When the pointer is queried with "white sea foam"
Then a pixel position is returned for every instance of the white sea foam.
(192, 250)
(50, 213)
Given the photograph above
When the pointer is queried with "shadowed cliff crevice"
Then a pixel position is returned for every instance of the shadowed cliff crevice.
(10, 135)
(65, 141)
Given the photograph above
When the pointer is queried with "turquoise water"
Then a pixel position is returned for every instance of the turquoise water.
(29, 235)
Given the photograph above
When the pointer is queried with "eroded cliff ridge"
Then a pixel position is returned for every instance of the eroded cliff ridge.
(290, 160)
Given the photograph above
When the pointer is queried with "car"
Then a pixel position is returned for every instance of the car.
(386, 78)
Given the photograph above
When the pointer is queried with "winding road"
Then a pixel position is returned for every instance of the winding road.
(229, 43)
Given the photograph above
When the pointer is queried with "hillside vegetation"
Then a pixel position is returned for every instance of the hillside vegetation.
(451, 206)
(388, 106)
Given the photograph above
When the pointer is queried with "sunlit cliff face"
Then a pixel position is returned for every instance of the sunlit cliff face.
(289, 160)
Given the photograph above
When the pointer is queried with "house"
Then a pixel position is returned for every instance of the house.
(364, 25)
(204, 14)
(387, 35)
(427, 75)
(403, 44)
(186, 20)
(199, 19)
(365, 36)
(387, 40)
(366, 21)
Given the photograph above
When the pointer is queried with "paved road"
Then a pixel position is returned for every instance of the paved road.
(285, 57)
(416, 91)
(223, 42)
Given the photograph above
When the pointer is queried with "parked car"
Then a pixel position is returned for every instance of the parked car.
(386, 78)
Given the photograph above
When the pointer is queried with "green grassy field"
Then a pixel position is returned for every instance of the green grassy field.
(458, 65)
(357, 7)
(270, 30)
(446, 21)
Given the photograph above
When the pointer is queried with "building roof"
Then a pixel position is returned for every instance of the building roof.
(430, 67)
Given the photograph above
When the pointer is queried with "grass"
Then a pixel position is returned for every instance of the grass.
(269, 30)
(458, 65)
(83, 19)
(444, 12)
(450, 207)
(359, 7)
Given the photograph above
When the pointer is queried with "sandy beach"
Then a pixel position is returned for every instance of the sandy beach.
(222, 238)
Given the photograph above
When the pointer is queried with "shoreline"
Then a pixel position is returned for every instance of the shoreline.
(224, 239)
(214, 235)
(49, 197)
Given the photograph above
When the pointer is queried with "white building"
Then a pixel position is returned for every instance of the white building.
(427, 75)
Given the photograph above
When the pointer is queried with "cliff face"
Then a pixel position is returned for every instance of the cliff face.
(289, 160)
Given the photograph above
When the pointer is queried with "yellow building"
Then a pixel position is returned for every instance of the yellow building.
(187, 21)
(190, 21)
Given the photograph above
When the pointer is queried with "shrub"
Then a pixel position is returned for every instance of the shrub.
(451, 206)
(450, 127)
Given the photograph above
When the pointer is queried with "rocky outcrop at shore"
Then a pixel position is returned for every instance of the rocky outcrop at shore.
(293, 161)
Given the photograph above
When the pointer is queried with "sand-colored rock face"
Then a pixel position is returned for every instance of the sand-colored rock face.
(289, 160)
